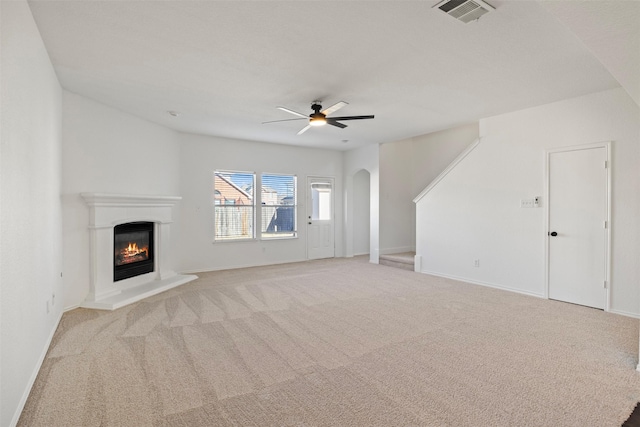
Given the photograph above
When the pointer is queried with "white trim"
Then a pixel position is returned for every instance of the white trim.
(107, 199)
(71, 307)
(34, 374)
(235, 240)
(485, 284)
(309, 209)
(261, 206)
(607, 146)
(625, 313)
(448, 169)
(254, 203)
(272, 239)
(236, 267)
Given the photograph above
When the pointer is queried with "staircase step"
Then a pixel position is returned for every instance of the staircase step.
(402, 265)
(404, 260)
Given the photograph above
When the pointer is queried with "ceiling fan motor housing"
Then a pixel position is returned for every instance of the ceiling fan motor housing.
(316, 108)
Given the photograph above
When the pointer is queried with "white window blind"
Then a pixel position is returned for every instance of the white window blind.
(279, 206)
(234, 205)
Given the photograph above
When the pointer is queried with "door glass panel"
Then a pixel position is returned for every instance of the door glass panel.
(321, 200)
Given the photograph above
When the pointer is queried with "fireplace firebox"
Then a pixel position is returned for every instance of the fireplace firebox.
(133, 250)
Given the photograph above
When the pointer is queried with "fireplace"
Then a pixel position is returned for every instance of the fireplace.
(134, 232)
(133, 250)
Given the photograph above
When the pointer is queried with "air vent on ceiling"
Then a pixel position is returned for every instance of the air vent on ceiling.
(465, 10)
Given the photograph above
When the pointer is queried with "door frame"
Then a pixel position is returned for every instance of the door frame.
(309, 207)
(607, 146)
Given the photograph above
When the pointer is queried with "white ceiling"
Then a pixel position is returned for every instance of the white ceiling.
(226, 65)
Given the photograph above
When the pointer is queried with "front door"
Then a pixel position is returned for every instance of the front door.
(578, 235)
(320, 218)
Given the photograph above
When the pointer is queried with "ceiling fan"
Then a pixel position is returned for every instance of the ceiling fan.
(319, 116)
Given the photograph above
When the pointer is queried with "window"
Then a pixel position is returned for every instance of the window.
(234, 205)
(279, 205)
(321, 201)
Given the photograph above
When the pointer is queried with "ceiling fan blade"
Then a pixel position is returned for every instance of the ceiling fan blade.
(284, 120)
(353, 118)
(335, 107)
(333, 122)
(295, 113)
(304, 129)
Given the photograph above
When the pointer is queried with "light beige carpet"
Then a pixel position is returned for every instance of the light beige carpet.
(337, 343)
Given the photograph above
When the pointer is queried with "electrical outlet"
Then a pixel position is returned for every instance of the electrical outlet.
(476, 263)
(53, 299)
(48, 308)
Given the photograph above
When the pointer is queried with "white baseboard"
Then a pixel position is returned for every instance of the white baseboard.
(417, 263)
(34, 374)
(235, 267)
(486, 284)
(71, 307)
(519, 291)
(625, 313)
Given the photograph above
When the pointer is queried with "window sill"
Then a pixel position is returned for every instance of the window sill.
(249, 239)
(266, 239)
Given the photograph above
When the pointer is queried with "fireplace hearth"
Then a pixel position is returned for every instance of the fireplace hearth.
(133, 250)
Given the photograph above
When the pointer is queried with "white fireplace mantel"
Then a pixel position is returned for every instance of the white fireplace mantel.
(105, 212)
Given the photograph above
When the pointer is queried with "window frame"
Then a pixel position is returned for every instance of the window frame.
(264, 235)
(218, 205)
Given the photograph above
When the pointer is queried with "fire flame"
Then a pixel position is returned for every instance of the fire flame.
(133, 249)
(132, 253)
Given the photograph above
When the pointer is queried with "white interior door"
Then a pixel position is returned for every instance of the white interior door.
(578, 235)
(320, 213)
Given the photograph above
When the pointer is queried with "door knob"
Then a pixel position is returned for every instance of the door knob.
(553, 233)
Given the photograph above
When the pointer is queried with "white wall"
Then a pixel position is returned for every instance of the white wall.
(396, 198)
(361, 213)
(201, 155)
(406, 168)
(105, 150)
(366, 158)
(30, 214)
(474, 212)
(433, 152)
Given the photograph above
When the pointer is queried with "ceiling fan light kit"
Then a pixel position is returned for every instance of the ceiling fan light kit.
(319, 116)
(318, 121)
